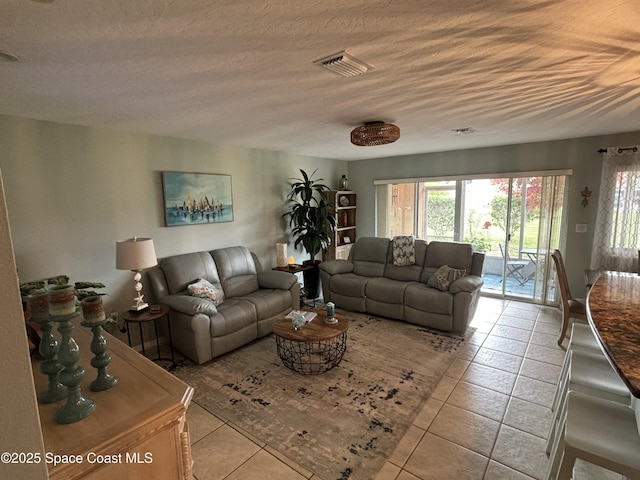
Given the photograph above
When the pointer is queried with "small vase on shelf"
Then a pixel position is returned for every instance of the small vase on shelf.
(344, 183)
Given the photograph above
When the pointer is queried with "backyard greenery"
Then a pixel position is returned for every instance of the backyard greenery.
(485, 224)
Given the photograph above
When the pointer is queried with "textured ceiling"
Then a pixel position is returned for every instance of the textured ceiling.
(241, 72)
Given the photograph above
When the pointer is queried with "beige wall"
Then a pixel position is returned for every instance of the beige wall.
(19, 418)
(73, 191)
(580, 154)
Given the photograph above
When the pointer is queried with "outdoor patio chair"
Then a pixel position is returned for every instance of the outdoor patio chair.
(515, 267)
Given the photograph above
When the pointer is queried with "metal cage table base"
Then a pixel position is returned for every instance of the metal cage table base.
(312, 358)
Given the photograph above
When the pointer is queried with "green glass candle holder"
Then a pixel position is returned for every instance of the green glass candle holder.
(101, 360)
(38, 306)
(77, 406)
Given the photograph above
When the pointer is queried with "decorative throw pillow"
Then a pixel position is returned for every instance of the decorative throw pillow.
(444, 277)
(204, 289)
(404, 250)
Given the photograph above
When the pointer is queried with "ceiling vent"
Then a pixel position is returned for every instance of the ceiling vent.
(343, 64)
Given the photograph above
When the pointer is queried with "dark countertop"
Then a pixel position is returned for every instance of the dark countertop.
(613, 310)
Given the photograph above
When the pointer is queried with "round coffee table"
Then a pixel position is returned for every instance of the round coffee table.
(314, 349)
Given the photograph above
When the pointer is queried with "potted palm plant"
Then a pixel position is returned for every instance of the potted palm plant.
(312, 220)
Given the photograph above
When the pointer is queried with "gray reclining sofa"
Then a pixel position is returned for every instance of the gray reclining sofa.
(369, 281)
(252, 299)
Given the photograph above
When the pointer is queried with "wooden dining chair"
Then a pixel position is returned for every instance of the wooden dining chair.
(571, 307)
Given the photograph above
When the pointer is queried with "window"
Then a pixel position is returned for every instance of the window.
(509, 216)
(617, 236)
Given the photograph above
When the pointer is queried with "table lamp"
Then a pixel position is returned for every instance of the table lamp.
(136, 254)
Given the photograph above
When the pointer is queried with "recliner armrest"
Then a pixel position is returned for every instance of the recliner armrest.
(333, 267)
(468, 283)
(276, 279)
(189, 305)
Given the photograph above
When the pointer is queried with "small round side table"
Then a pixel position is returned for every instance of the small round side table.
(151, 314)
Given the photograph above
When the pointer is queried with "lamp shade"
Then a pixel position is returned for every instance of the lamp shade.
(135, 254)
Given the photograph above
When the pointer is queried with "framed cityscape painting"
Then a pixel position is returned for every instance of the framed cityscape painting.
(196, 198)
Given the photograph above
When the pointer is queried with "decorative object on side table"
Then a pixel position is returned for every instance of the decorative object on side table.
(95, 318)
(344, 183)
(136, 254)
(281, 254)
(38, 307)
(62, 309)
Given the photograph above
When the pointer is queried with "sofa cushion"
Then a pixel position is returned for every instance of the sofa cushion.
(182, 270)
(202, 288)
(349, 284)
(189, 305)
(386, 290)
(369, 256)
(233, 315)
(404, 250)
(444, 277)
(426, 299)
(237, 271)
(276, 279)
(407, 273)
(333, 267)
(455, 255)
(269, 303)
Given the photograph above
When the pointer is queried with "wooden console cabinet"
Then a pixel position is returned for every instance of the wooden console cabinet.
(138, 429)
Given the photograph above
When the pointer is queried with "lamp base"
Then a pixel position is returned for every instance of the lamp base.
(139, 308)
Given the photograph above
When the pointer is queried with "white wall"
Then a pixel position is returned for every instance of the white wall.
(73, 191)
(579, 154)
(19, 418)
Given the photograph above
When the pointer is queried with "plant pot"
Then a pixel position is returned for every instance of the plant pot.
(311, 279)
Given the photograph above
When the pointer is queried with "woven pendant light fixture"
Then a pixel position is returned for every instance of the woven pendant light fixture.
(375, 133)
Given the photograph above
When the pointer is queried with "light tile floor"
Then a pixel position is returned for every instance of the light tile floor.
(487, 419)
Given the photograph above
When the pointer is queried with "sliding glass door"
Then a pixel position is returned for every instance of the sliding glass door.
(515, 221)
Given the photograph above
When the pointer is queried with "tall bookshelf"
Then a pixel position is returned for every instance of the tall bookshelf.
(345, 207)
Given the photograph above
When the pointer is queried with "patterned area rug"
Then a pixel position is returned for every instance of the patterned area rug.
(341, 424)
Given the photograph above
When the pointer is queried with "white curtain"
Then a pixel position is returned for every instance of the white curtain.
(617, 231)
(551, 235)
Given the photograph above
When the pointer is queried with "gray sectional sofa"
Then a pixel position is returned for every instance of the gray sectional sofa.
(369, 281)
(251, 299)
